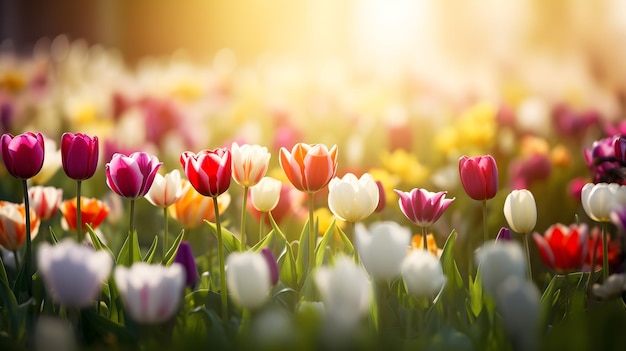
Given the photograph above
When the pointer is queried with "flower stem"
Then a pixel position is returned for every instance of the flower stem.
(28, 257)
(17, 260)
(243, 218)
(605, 253)
(312, 235)
(424, 239)
(261, 220)
(131, 229)
(79, 213)
(165, 231)
(381, 296)
(220, 253)
(527, 249)
(485, 231)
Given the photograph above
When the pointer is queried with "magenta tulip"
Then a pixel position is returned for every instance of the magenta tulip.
(423, 207)
(131, 176)
(208, 171)
(479, 176)
(23, 154)
(79, 154)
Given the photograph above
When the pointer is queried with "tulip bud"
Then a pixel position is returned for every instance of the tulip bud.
(265, 194)
(520, 211)
(73, 273)
(518, 302)
(352, 199)
(165, 190)
(79, 155)
(499, 261)
(599, 200)
(382, 250)
(17, 149)
(422, 274)
(45, 201)
(131, 176)
(184, 256)
(479, 176)
(249, 163)
(208, 171)
(248, 279)
(309, 167)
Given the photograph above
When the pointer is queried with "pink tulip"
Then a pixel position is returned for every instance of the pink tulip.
(423, 207)
(79, 153)
(132, 176)
(23, 154)
(479, 176)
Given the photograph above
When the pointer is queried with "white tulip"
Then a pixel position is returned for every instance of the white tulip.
(599, 200)
(352, 199)
(151, 293)
(166, 190)
(422, 274)
(248, 279)
(518, 301)
(383, 249)
(73, 273)
(265, 194)
(520, 211)
(249, 163)
(498, 261)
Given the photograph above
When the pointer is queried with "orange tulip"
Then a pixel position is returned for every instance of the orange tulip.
(93, 212)
(309, 167)
(13, 225)
(417, 243)
(193, 208)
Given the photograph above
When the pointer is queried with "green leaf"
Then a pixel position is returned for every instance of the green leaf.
(53, 236)
(302, 260)
(3, 273)
(476, 293)
(287, 265)
(131, 245)
(95, 241)
(323, 250)
(150, 254)
(9, 309)
(96, 327)
(171, 253)
(231, 242)
(275, 241)
(448, 263)
(348, 247)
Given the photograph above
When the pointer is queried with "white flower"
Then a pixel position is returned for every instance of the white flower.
(249, 163)
(518, 302)
(520, 211)
(166, 190)
(383, 249)
(73, 273)
(599, 200)
(422, 274)
(614, 286)
(345, 290)
(265, 194)
(351, 199)
(498, 261)
(151, 293)
(248, 279)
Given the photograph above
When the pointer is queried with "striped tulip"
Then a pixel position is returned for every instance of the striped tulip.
(309, 167)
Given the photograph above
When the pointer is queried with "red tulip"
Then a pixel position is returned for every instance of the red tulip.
(23, 154)
(479, 176)
(563, 248)
(309, 167)
(79, 154)
(208, 171)
(131, 176)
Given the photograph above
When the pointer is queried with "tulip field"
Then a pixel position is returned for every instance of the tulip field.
(216, 206)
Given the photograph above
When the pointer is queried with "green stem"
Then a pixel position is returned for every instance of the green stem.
(220, 252)
(381, 295)
(165, 231)
(79, 214)
(243, 218)
(485, 231)
(312, 235)
(409, 323)
(424, 239)
(131, 230)
(17, 260)
(28, 257)
(605, 253)
(527, 249)
(261, 220)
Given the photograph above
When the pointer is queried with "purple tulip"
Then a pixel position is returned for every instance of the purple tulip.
(185, 257)
(504, 234)
(423, 207)
(131, 176)
(23, 154)
(79, 154)
(272, 264)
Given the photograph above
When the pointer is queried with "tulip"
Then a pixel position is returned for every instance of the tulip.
(23, 155)
(599, 201)
(479, 176)
(417, 243)
(165, 191)
(613, 287)
(79, 155)
(422, 274)
(519, 304)
(132, 176)
(382, 250)
(93, 212)
(208, 171)
(272, 264)
(504, 234)
(352, 199)
(309, 167)
(498, 261)
(563, 248)
(520, 212)
(423, 207)
(184, 256)
(13, 225)
(382, 197)
(73, 273)
(265, 194)
(151, 293)
(192, 209)
(619, 144)
(45, 200)
(345, 290)
(248, 279)
(603, 162)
